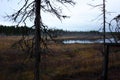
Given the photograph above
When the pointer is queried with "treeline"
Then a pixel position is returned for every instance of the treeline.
(24, 30)
(15, 30)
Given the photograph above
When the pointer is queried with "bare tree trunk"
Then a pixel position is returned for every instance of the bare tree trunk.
(105, 63)
(37, 39)
(104, 20)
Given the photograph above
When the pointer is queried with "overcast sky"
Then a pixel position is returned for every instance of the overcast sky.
(82, 16)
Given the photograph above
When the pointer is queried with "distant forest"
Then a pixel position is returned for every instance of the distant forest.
(14, 30)
(24, 30)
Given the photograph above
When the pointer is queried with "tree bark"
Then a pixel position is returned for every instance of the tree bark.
(37, 49)
(106, 62)
(104, 20)
(105, 47)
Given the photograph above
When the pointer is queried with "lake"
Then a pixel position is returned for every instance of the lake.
(111, 40)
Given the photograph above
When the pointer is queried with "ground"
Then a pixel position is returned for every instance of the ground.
(62, 62)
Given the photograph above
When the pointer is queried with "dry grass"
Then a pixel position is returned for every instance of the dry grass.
(7, 41)
(65, 62)
(82, 37)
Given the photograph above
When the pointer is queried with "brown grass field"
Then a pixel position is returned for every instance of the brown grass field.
(62, 62)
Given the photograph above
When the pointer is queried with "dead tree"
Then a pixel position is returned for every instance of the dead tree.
(114, 27)
(32, 10)
(37, 49)
(105, 55)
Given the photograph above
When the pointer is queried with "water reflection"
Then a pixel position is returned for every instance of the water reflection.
(77, 41)
(111, 40)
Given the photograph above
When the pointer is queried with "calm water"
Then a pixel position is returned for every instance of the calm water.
(111, 40)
